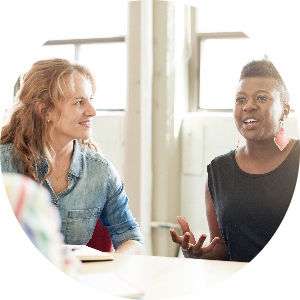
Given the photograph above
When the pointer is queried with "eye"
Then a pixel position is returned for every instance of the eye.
(240, 100)
(79, 103)
(91, 100)
(262, 98)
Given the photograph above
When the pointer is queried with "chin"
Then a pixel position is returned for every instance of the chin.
(86, 135)
(254, 138)
(82, 137)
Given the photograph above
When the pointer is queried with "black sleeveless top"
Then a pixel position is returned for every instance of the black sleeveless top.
(250, 207)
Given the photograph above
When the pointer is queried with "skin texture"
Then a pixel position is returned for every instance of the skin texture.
(130, 247)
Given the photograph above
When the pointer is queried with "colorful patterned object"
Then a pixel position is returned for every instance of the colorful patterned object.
(40, 220)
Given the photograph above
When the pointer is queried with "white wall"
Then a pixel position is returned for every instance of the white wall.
(108, 132)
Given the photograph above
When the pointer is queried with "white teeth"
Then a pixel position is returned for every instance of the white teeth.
(86, 124)
(250, 120)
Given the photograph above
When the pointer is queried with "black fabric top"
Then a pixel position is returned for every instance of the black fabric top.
(250, 207)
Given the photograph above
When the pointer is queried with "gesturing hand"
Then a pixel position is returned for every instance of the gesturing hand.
(187, 242)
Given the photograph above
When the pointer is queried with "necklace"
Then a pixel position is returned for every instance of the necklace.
(60, 175)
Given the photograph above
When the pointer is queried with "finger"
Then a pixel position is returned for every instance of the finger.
(199, 244)
(210, 247)
(184, 224)
(185, 242)
(175, 238)
(185, 228)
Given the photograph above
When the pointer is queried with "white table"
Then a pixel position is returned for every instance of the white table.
(165, 277)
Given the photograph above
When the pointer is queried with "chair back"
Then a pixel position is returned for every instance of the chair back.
(100, 239)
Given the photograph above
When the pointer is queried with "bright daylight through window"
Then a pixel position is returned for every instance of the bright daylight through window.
(223, 51)
(102, 48)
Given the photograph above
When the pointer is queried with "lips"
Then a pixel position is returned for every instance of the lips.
(250, 121)
(87, 123)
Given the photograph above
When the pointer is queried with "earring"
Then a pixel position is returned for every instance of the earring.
(237, 141)
(281, 138)
(48, 121)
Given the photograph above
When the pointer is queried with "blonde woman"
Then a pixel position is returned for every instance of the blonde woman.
(48, 138)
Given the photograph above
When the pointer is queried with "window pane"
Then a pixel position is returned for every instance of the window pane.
(104, 19)
(214, 20)
(221, 63)
(108, 63)
(54, 51)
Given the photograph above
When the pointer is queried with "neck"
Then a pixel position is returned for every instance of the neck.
(62, 151)
(261, 150)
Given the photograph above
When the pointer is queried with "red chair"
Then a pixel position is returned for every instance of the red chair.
(101, 239)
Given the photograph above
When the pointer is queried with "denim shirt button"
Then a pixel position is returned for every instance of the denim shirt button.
(55, 202)
(68, 177)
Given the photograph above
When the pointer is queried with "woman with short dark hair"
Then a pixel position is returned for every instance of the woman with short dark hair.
(249, 189)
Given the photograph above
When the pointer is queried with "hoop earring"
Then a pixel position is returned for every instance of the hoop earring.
(281, 138)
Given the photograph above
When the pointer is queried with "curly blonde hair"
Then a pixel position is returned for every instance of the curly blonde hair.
(44, 83)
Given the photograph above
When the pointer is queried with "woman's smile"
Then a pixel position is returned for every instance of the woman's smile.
(250, 122)
(87, 123)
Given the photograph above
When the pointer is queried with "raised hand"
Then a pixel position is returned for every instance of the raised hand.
(187, 242)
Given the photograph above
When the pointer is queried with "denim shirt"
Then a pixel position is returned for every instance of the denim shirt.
(94, 190)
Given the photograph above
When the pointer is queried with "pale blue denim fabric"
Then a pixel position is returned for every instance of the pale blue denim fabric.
(94, 190)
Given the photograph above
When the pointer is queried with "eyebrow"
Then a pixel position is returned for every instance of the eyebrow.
(259, 91)
(77, 98)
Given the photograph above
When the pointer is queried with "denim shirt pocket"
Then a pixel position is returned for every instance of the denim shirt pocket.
(81, 225)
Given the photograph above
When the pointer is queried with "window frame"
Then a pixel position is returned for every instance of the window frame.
(77, 43)
(195, 60)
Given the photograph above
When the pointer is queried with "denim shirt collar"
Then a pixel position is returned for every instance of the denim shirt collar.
(77, 160)
(76, 165)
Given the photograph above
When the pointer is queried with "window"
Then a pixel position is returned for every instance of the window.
(102, 48)
(220, 51)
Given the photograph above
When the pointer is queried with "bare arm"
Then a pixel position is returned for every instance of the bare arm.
(190, 248)
(130, 247)
(220, 251)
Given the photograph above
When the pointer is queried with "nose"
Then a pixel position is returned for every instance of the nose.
(90, 111)
(250, 105)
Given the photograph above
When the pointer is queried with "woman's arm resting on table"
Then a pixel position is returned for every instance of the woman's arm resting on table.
(130, 247)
